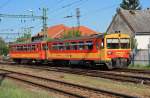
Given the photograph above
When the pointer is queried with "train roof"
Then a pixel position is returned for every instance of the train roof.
(27, 43)
(71, 39)
(80, 38)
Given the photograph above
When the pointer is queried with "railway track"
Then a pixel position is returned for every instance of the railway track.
(138, 71)
(68, 89)
(113, 75)
(96, 73)
(107, 75)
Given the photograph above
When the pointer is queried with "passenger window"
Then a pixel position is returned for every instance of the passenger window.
(89, 45)
(74, 46)
(44, 47)
(81, 45)
(67, 46)
(54, 47)
(33, 47)
(61, 46)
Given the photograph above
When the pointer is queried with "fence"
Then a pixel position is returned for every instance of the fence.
(141, 57)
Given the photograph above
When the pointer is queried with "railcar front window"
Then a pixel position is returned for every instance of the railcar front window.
(124, 43)
(112, 43)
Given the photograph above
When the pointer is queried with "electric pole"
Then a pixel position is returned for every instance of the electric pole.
(78, 18)
(43, 18)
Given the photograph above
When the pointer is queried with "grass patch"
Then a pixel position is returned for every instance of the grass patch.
(8, 89)
(139, 66)
(106, 84)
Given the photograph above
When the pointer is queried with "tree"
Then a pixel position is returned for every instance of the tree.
(71, 33)
(131, 5)
(24, 38)
(134, 43)
(3, 47)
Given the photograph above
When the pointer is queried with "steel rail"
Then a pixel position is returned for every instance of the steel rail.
(75, 85)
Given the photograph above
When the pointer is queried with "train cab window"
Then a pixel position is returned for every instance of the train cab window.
(81, 45)
(89, 45)
(112, 43)
(125, 43)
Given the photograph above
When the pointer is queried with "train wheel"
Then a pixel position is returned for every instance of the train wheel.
(17, 61)
(109, 65)
(120, 63)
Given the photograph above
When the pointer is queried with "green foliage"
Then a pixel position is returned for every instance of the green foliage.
(9, 89)
(134, 43)
(131, 5)
(3, 47)
(105, 33)
(71, 33)
(24, 38)
(49, 39)
(139, 66)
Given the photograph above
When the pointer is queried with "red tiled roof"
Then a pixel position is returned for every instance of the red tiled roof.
(58, 30)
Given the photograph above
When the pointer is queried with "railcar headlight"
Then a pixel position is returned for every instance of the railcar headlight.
(109, 52)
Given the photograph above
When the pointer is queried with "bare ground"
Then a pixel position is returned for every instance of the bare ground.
(127, 88)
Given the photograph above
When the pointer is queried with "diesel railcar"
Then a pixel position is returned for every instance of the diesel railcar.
(110, 50)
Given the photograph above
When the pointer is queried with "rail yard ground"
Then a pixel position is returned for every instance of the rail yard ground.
(14, 89)
(139, 90)
(139, 66)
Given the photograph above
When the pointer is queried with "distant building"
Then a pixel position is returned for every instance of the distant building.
(137, 24)
(57, 31)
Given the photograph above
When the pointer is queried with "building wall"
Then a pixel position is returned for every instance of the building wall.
(118, 24)
(143, 41)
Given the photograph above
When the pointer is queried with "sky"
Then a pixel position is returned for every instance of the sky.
(95, 14)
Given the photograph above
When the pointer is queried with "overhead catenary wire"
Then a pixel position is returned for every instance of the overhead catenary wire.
(71, 6)
(99, 10)
(66, 6)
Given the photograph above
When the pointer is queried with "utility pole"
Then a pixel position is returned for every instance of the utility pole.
(43, 18)
(149, 52)
(78, 17)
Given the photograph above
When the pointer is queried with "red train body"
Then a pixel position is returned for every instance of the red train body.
(112, 50)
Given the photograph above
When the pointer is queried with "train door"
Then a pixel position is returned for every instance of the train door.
(102, 49)
(44, 50)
